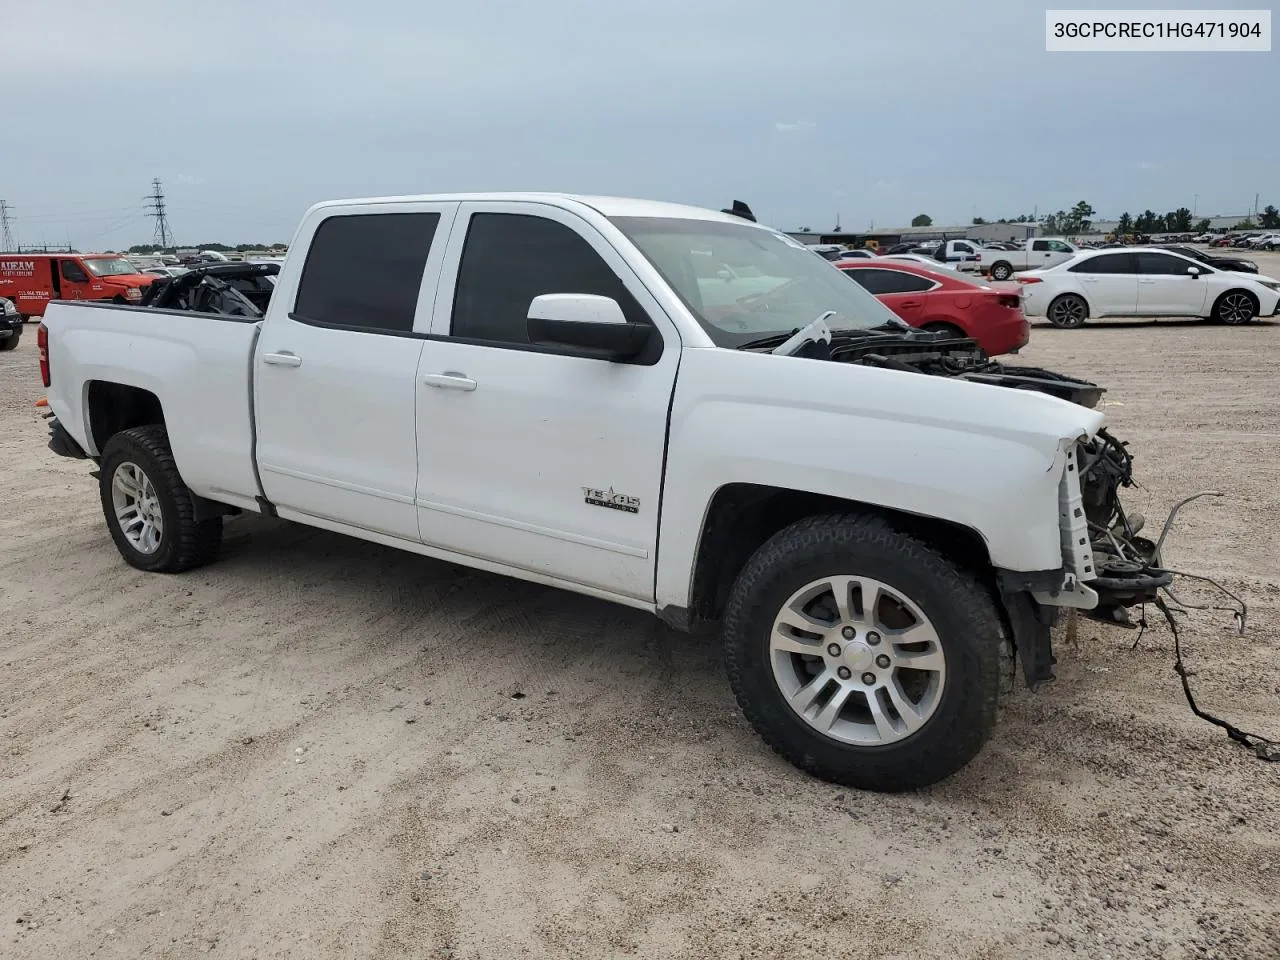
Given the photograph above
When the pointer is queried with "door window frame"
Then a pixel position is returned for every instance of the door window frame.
(289, 279)
(442, 312)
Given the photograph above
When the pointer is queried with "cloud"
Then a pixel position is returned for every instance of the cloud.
(1146, 165)
(794, 126)
(189, 179)
(886, 184)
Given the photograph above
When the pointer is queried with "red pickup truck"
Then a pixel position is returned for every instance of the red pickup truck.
(31, 280)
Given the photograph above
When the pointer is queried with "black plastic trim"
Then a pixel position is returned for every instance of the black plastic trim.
(63, 444)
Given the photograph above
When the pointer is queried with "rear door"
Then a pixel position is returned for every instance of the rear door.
(540, 458)
(1109, 282)
(336, 366)
(902, 292)
(1165, 289)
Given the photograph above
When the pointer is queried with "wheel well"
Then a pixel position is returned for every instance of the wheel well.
(742, 516)
(115, 406)
(1257, 304)
(1071, 293)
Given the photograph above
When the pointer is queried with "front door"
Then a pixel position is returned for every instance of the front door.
(1165, 289)
(75, 282)
(535, 458)
(336, 365)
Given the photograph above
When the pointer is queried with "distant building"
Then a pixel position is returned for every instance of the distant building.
(887, 237)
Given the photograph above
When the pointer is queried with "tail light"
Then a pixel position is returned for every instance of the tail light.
(1028, 279)
(42, 341)
(1009, 300)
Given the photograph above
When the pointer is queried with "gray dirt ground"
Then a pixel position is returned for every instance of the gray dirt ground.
(315, 747)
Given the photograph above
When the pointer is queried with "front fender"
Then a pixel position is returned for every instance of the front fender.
(986, 458)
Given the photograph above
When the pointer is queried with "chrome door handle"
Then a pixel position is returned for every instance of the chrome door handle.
(1146, 281)
(449, 381)
(282, 359)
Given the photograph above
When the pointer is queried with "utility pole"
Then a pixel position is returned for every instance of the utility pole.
(6, 231)
(155, 208)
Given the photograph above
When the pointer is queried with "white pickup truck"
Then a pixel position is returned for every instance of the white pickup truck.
(1039, 252)
(557, 388)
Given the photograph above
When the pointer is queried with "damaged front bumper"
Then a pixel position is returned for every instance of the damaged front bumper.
(1108, 566)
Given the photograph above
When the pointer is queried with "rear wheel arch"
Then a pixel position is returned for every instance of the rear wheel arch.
(114, 407)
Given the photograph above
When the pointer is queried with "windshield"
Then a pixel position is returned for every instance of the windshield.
(744, 282)
(109, 266)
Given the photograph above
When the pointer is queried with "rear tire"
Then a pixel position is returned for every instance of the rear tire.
(148, 508)
(1235, 308)
(939, 326)
(1001, 271)
(862, 726)
(1068, 312)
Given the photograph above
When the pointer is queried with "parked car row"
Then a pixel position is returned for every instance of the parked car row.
(1145, 282)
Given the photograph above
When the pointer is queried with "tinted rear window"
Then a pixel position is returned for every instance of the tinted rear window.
(364, 270)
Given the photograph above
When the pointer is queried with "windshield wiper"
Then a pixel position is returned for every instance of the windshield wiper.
(815, 332)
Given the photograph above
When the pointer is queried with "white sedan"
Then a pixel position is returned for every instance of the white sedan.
(1144, 282)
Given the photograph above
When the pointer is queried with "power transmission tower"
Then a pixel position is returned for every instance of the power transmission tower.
(155, 208)
(6, 232)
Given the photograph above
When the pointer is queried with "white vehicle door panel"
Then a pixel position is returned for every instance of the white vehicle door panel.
(335, 398)
(1109, 294)
(510, 458)
(1166, 290)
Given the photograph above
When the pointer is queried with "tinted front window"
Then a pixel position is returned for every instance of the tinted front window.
(889, 281)
(1163, 264)
(1106, 263)
(511, 258)
(364, 270)
(1057, 246)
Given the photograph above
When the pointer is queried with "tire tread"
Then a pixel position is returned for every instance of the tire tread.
(934, 758)
(196, 542)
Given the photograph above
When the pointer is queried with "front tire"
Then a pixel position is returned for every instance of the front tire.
(1068, 312)
(148, 508)
(1235, 308)
(1001, 271)
(12, 342)
(862, 656)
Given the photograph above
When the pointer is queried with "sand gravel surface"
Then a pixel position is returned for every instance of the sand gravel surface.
(324, 748)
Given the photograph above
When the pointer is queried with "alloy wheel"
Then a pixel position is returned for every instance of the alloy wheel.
(857, 660)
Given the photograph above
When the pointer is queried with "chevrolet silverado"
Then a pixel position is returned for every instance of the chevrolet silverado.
(664, 406)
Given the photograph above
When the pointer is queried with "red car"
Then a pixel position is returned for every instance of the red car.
(946, 301)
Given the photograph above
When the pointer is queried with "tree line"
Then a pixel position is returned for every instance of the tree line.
(1079, 220)
(151, 248)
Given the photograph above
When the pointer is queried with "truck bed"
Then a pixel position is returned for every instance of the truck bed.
(201, 364)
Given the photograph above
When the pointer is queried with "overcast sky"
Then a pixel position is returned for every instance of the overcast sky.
(251, 111)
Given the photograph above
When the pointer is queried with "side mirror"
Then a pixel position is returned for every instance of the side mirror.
(592, 325)
(1193, 272)
(724, 274)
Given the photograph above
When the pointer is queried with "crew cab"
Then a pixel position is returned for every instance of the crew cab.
(570, 391)
(31, 280)
(1037, 253)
